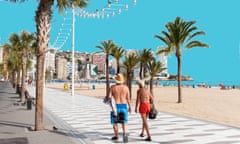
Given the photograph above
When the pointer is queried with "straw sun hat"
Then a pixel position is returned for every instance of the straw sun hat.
(140, 83)
(119, 78)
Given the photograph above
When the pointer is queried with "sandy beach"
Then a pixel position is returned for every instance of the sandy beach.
(210, 104)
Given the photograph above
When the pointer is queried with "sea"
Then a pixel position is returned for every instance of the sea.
(192, 83)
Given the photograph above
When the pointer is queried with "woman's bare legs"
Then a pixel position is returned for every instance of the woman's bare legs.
(142, 132)
(145, 125)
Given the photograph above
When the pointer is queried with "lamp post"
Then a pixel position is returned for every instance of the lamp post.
(61, 41)
(73, 38)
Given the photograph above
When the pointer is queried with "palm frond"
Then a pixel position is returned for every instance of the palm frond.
(196, 44)
(164, 50)
(196, 34)
(64, 4)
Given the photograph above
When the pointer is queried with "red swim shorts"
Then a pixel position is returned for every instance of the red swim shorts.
(144, 108)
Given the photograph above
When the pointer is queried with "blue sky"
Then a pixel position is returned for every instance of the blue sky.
(135, 29)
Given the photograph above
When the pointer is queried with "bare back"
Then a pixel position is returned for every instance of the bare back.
(144, 95)
(120, 93)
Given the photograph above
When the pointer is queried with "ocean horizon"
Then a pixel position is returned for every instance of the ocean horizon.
(197, 82)
(227, 83)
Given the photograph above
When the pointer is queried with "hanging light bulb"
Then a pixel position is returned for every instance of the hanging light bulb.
(119, 11)
(134, 2)
(97, 13)
(81, 12)
(126, 6)
(109, 4)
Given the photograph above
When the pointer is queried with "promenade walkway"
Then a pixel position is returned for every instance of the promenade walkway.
(85, 120)
(17, 123)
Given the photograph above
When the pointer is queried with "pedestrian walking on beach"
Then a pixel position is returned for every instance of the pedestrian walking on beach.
(144, 97)
(121, 96)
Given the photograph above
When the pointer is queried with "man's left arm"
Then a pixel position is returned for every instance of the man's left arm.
(129, 101)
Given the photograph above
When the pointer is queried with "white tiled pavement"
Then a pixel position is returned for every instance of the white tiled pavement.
(87, 120)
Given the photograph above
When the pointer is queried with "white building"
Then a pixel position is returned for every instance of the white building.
(50, 60)
(69, 69)
(61, 68)
(163, 59)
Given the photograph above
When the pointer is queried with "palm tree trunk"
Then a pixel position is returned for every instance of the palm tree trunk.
(18, 81)
(107, 75)
(42, 18)
(140, 71)
(23, 78)
(118, 66)
(179, 80)
(14, 78)
(151, 85)
(129, 83)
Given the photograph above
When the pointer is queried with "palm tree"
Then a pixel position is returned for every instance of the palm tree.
(43, 23)
(106, 47)
(154, 67)
(180, 34)
(18, 50)
(27, 39)
(12, 50)
(130, 64)
(145, 56)
(117, 53)
(11, 68)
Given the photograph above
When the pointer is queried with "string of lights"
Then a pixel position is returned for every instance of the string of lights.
(106, 11)
(64, 32)
(110, 9)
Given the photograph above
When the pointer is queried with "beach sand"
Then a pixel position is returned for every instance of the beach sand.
(210, 104)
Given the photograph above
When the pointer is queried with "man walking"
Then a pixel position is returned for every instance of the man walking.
(121, 95)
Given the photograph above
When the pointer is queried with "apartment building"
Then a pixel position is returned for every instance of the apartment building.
(100, 61)
(61, 68)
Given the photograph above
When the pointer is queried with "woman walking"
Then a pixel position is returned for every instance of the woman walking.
(143, 107)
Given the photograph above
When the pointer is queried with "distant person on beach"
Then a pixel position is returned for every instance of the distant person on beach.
(144, 97)
(121, 97)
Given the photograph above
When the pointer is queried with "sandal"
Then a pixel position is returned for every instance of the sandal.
(125, 138)
(114, 138)
(148, 139)
(141, 135)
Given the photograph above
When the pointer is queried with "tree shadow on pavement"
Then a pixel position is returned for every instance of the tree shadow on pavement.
(15, 124)
(17, 140)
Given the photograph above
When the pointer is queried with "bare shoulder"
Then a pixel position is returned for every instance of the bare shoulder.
(126, 87)
(113, 86)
